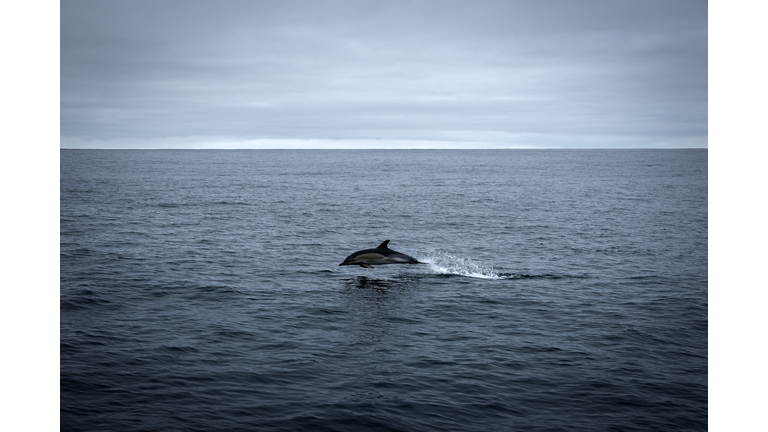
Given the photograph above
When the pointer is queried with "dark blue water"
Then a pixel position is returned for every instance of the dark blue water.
(565, 290)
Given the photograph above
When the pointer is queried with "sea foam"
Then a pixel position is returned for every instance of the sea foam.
(446, 263)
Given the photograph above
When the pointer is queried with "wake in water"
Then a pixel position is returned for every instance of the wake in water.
(445, 263)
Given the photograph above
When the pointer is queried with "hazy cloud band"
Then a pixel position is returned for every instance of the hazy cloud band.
(361, 74)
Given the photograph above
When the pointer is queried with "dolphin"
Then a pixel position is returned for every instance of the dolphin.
(380, 255)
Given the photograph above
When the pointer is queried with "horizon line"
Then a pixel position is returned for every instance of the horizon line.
(393, 148)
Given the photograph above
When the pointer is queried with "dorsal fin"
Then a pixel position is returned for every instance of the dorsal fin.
(383, 245)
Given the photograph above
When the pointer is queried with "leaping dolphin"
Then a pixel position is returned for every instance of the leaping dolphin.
(380, 255)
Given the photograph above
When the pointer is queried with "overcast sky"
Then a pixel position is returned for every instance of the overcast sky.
(416, 74)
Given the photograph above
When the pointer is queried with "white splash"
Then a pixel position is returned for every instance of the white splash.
(445, 263)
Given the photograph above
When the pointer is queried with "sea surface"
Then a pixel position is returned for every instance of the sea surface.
(563, 290)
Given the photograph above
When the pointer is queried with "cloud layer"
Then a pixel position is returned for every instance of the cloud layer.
(384, 74)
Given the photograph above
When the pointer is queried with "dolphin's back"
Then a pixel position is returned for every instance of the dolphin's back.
(380, 255)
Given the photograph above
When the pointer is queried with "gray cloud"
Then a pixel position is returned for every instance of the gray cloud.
(302, 73)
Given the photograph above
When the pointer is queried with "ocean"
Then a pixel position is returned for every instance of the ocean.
(563, 290)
